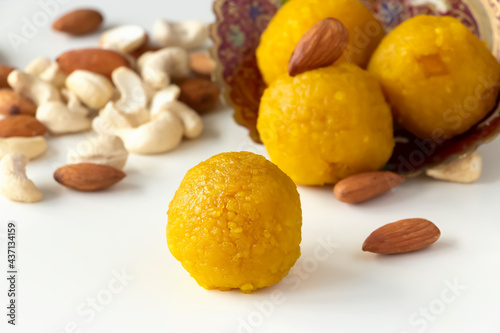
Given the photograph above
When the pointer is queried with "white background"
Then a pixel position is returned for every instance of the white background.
(71, 244)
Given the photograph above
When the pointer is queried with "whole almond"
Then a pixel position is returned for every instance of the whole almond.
(12, 103)
(79, 22)
(21, 126)
(202, 64)
(366, 186)
(4, 73)
(99, 61)
(88, 176)
(321, 46)
(200, 94)
(402, 237)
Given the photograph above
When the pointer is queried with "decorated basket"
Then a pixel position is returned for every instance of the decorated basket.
(236, 35)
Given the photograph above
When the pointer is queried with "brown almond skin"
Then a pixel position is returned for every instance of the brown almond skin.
(202, 64)
(4, 73)
(321, 46)
(79, 22)
(402, 237)
(88, 176)
(145, 47)
(12, 103)
(202, 95)
(99, 61)
(366, 186)
(21, 126)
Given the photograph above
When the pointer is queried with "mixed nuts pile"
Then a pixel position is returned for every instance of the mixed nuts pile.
(139, 98)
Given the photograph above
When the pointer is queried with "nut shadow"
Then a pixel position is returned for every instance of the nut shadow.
(50, 192)
(441, 247)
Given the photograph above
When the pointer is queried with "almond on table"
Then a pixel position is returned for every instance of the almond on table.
(88, 176)
(99, 61)
(366, 186)
(21, 126)
(12, 103)
(402, 236)
(79, 22)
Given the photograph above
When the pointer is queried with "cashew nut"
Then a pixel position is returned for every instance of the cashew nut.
(125, 38)
(33, 87)
(73, 103)
(113, 118)
(192, 123)
(30, 147)
(37, 66)
(109, 120)
(138, 117)
(143, 58)
(46, 70)
(189, 34)
(93, 89)
(158, 136)
(157, 68)
(101, 149)
(132, 93)
(54, 75)
(14, 184)
(465, 169)
(62, 118)
(163, 97)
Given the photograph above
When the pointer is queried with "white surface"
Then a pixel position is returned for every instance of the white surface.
(70, 244)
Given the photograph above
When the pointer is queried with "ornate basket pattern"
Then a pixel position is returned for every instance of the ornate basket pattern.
(240, 23)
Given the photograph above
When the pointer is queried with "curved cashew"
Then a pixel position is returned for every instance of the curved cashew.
(14, 184)
(33, 87)
(189, 34)
(150, 88)
(37, 66)
(112, 118)
(60, 118)
(133, 95)
(158, 67)
(138, 117)
(192, 123)
(465, 169)
(93, 89)
(102, 149)
(30, 147)
(143, 58)
(54, 75)
(163, 97)
(125, 38)
(109, 120)
(158, 136)
(73, 103)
